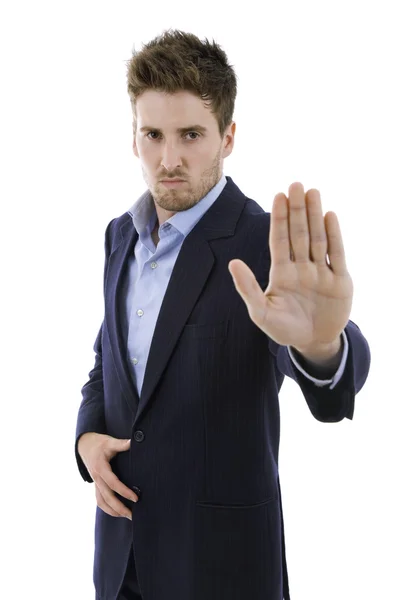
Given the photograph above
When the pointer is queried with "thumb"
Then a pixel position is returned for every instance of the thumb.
(248, 287)
(121, 445)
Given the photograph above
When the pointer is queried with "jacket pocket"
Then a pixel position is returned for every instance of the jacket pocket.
(238, 551)
(207, 330)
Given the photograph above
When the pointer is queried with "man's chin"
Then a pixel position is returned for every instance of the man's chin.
(174, 206)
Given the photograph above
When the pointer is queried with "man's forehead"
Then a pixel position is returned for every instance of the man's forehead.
(182, 102)
(158, 111)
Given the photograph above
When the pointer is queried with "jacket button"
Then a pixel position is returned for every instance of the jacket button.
(139, 436)
(137, 490)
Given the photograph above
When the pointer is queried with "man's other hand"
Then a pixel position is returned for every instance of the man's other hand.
(96, 451)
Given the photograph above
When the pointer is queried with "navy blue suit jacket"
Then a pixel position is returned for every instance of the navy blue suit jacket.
(205, 430)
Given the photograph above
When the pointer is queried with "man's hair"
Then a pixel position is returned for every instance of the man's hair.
(177, 61)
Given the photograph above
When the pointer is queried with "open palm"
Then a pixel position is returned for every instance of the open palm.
(308, 301)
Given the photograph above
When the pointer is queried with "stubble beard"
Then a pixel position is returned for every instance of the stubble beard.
(180, 199)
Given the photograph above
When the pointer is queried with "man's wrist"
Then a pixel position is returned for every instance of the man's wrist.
(322, 360)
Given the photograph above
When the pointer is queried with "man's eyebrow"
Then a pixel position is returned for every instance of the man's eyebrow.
(179, 130)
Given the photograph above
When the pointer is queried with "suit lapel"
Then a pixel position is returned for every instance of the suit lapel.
(185, 286)
(118, 261)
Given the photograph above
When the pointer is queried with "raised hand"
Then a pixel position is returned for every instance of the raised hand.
(308, 301)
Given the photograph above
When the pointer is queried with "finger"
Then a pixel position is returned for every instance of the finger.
(116, 484)
(101, 503)
(117, 445)
(279, 242)
(316, 224)
(111, 500)
(298, 224)
(336, 252)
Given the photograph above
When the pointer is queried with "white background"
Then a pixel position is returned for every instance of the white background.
(318, 102)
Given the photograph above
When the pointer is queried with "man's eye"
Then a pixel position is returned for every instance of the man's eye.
(189, 132)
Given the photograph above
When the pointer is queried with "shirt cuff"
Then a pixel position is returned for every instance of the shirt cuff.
(338, 374)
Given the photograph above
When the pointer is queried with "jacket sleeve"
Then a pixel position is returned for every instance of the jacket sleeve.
(326, 403)
(91, 410)
(303, 366)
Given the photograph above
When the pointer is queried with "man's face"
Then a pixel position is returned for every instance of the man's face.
(195, 155)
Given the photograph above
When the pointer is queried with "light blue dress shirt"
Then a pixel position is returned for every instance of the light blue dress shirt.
(149, 271)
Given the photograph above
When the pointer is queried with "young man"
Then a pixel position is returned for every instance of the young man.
(209, 303)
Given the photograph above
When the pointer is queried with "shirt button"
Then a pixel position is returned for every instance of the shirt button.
(134, 360)
(138, 436)
(154, 265)
(140, 313)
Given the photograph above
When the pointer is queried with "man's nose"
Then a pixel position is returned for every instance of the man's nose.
(171, 158)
